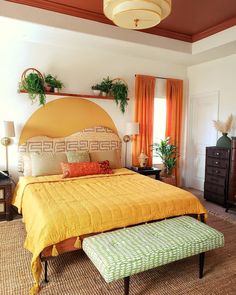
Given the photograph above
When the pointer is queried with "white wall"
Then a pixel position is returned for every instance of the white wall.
(79, 62)
(215, 76)
(218, 75)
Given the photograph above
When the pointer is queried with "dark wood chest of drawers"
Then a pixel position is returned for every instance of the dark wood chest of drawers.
(217, 174)
(232, 175)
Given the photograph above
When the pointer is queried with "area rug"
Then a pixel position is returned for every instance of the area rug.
(74, 274)
(215, 209)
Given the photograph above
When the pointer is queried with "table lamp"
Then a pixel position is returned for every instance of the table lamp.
(132, 128)
(8, 131)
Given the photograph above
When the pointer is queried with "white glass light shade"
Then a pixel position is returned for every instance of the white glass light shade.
(132, 128)
(138, 14)
(8, 129)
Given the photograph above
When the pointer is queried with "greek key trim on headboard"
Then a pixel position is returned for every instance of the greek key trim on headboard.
(98, 138)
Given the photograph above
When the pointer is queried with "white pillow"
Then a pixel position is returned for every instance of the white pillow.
(27, 171)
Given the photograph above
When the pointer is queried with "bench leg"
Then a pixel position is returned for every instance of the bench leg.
(126, 285)
(201, 264)
(45, 271)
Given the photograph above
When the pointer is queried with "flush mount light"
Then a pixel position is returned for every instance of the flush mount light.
(136, 14)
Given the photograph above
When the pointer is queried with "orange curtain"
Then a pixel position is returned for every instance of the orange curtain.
(144, 112)
(174, 100)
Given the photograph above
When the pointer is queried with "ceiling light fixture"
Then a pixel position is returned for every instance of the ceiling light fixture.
(136, 14)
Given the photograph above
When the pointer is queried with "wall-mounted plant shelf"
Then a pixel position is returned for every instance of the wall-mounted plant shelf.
(76, 95)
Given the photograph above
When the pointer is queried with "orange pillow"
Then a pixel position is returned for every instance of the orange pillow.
(86, 168)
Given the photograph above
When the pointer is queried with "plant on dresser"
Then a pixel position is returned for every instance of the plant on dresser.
(224, 128)
(5, 199)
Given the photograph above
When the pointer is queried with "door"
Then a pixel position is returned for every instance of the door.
(204, 109)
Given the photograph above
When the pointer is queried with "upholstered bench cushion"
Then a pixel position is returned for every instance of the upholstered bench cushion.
(128, 251)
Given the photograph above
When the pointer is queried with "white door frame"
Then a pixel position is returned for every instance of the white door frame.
(189, 149)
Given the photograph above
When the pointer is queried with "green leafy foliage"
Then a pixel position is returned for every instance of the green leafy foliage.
(116, 88)
(34, 85)
(106, 85)
(120, 92)
(53, 81)
(167, 152)
(96, 87)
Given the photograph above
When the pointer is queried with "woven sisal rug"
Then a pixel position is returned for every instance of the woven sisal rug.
(74, 274)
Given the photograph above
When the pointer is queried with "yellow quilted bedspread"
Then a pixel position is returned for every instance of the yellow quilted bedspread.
(55, 209)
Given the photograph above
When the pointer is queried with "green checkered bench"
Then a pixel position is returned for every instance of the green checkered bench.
(122, 253)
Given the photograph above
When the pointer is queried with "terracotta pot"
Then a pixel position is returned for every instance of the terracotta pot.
(169, 180)
(47, 88)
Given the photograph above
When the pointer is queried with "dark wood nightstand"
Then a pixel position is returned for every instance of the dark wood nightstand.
(147, 171)
(5, 199)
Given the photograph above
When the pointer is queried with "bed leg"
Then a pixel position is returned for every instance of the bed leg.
(46, 271)
(126, 285)
(201, 264)
(202, 218)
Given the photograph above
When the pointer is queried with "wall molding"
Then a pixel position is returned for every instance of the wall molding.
(100, 17)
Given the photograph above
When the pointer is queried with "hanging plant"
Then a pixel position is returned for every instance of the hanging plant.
(120, 92)
(118, 88)
(33, 83)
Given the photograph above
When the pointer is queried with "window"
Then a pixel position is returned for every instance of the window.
(159, 123)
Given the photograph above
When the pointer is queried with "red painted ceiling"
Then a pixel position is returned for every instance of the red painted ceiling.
(190, 20)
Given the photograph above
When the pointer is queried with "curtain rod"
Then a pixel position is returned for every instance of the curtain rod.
(156, 77)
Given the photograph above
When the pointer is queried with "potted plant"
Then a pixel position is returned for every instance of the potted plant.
(224, 128)
(167, 152)
(106, 86)
(33, 84)
(96, 89)
(118, 88)
(53, 83)
(120, 92)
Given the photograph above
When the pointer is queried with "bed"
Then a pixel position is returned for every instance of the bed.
(59, 212)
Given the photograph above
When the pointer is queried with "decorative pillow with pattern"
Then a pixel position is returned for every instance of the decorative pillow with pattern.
(87, 168)
(113, 156)
(78, 156)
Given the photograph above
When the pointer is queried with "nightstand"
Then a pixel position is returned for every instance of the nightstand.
(147, 171)
(5, 199)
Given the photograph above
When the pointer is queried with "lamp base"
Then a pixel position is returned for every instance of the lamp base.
(126, 138)
(5, 141)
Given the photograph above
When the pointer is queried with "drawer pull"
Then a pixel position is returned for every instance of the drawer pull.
(216, 163)
(217, 154)
(217, 171)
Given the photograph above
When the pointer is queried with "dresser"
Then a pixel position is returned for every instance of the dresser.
(5, 199)
(217, 174)
(232, 175)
